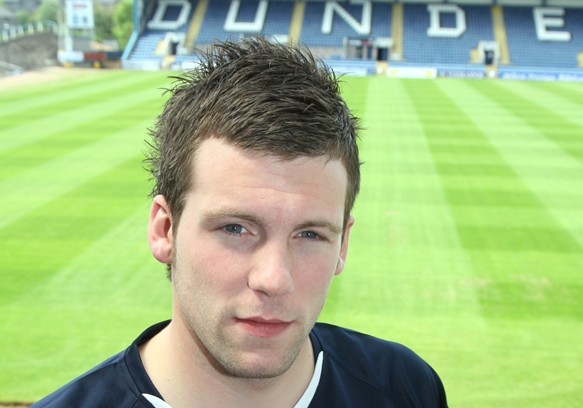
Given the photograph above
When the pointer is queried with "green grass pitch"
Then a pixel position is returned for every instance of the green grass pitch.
(467, 247)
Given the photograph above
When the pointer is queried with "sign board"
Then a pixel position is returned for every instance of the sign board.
(79, 14)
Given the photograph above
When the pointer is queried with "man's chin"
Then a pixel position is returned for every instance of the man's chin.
(261, 359)
(261, 365)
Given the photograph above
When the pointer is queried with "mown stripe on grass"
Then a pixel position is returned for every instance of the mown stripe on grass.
(354, 91)
(106, 272)
(545, 168)
(562, 124)
(89, 308)
(486, 245)
(561, 104)
(534, 283)
(411, 253)
(569, 91)
(64, 81)
(55, 85)
(24, 158)
(50, 102)
(47, 235)
(41, 184)
(63, 121)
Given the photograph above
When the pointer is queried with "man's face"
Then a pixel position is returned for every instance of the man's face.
(253, 256)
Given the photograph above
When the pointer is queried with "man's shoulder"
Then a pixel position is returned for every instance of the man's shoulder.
(119, 381)
(337, 341)
(107, 380)
(379, 369)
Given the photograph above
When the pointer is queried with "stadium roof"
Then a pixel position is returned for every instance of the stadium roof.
(545, 3)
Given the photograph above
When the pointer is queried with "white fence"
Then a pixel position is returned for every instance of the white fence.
(12, 31)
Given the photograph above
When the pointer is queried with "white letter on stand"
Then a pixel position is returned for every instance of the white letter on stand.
(231, 23)
(545, 18)
(157, 22)
(436, 30)
(362, 28)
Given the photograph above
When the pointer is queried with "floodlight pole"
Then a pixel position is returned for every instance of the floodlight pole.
(65, 40)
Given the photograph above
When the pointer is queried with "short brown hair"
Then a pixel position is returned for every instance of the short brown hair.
(261, 96)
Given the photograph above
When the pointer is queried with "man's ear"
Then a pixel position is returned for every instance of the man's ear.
(344, 246)
(160, 230)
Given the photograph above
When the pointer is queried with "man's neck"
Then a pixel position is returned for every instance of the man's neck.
(186, 379)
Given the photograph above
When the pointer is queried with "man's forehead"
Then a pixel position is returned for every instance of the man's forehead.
(210, 147)
(220, 167)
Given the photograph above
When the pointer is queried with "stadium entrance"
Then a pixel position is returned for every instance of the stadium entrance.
(366, 48)
(489, 53)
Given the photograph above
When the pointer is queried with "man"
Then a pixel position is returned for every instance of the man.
(256, 169)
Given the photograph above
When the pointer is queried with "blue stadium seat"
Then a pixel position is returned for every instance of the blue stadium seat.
(312, 25)
(418, 47)
(277, 20)
(525, 48)
(145, 47)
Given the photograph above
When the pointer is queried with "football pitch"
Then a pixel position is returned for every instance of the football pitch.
(467, 247)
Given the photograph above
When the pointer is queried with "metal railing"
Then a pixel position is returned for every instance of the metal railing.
(12, 31)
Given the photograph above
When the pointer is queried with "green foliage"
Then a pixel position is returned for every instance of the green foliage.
(48, 10)
(24, 17)
(103, 17)
(123, 23)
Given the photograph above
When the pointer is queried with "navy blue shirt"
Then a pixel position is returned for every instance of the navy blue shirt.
(358, 371)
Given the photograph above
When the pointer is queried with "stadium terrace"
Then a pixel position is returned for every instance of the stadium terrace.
(480, 38)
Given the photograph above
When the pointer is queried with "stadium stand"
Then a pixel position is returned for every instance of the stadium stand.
(527, 50)
(419, 47)
(147, 45)
(341, 28)
(364, 36)
(163, 35)
(275, 24)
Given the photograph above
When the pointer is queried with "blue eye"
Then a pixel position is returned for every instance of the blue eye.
(234, 229)
(310, 235)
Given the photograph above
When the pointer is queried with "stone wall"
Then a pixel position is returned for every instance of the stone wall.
(31, 51)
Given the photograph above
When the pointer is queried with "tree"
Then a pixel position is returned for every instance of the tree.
(48, 10)
(23, 17)
(123, 23)
(103, 18)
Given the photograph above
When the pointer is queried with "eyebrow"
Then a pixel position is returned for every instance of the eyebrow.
(335, 229)
(226, 212)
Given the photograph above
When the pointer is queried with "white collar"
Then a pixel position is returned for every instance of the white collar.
(304, 401)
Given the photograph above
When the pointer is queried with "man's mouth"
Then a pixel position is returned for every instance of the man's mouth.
(263, 327)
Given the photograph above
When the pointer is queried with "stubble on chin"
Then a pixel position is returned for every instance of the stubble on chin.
(232, 359)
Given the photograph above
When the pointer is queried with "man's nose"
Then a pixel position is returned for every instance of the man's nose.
(271, 272)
